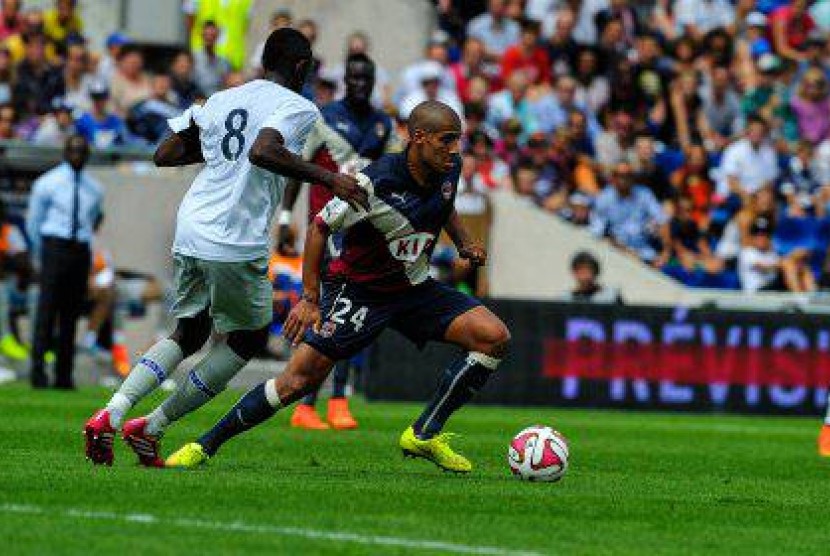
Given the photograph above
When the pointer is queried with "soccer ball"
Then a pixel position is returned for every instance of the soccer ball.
(538, 453)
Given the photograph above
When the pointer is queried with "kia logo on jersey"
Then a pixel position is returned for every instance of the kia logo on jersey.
(410, 247)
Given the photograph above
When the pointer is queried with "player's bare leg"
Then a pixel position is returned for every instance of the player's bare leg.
(485, 338)
(306, 371)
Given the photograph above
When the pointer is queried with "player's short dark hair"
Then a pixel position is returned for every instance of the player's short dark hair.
(285, 48)
(584, 258)
(209, 23)
(360, 58)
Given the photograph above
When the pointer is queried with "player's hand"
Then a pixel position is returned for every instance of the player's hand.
(305, 314)
(476, 254)
(347, 188)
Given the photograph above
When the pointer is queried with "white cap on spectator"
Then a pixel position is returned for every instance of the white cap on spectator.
(431, 71)
(756, 19)
(769, 62)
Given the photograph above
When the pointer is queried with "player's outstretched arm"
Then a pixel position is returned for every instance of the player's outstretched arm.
(307, 311)
(269, 152)
(180, 149)
(467, 249)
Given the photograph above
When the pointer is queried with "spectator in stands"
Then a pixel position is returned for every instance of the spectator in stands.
(358, 43)
(77, 78)
(62, 22)
(689, 247)
(791, 25)
(435, 60)
(592, 88)
(760, 268)
(686, 113)
(630, 217)
(736, 234)
(181, 79)
(648, 173)
(147, 119)
(56, 127)
(8, 122)
(210, 67)
(691, 181)
(527, 55)
(721, 109)
(561, 46)
(695, 18)
(130, 84)
(107, 64)
(471, 65)
(554, 114)
(586, 270)
(507, 146)
(495, 30)
(233, 15)
(577, 211)
(11, 22)
(32, 25)
(494, 173)
(512, 103)
(431, 89)
(577, 126)
(800, 186)
(623, 14)
(749, 164)
(6, 76)
(38, 82)
(101, 127)
(811, 106)
(618, 143)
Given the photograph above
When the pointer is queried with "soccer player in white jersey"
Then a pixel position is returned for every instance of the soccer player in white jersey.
(249, 138)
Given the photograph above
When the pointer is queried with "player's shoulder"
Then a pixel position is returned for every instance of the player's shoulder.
(387, 171)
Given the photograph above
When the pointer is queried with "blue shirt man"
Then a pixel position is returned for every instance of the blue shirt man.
(64, 204)
(629, 215)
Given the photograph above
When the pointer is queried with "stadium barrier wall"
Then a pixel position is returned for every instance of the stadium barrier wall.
(576, 355)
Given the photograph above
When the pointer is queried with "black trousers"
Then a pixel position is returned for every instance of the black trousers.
(63, 286)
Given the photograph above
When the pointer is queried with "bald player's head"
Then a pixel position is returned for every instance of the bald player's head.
(434, 136)
(432, 116)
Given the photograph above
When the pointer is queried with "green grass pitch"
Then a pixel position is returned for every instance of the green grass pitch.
(639, 483)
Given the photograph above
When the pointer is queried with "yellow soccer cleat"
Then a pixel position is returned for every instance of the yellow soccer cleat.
(436, 449)
(12, 349)
(188, 456)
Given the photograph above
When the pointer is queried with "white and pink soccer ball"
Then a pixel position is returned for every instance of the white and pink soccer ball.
(538, 453)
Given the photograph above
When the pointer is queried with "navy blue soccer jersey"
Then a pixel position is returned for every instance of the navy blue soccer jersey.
(389, 247)
(367, 134)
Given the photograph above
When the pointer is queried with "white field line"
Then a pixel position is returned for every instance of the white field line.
(264, 529)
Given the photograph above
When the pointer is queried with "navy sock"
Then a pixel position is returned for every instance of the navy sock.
(252, 409)
(461, 381)
(340, 378)
(311, 398)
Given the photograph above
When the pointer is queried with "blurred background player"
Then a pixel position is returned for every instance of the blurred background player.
(14, 262)
(381, 280)
(285, 272)
(369, 134)
(249, 139)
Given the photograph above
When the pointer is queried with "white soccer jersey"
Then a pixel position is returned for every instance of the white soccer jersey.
(226, 214)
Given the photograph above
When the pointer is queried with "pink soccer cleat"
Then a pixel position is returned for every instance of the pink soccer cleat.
(99, 434)
(145, 446)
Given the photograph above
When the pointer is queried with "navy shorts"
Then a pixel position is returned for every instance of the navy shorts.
(352, 316)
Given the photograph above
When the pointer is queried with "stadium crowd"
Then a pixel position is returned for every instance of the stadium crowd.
(692, 134)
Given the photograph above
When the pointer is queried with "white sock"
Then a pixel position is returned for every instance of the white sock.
(271, 393)
(118, 407)
(157, 421)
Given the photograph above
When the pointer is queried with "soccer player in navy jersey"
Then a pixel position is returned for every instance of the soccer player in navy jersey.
(381, 279)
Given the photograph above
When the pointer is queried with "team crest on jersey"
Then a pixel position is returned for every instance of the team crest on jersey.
(409, 248)
(327, 329)
(380, 129)
(446, 190)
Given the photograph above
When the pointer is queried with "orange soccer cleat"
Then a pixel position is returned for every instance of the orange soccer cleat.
(824, 441)
(305, 417)
(121, 360)
(339, 416)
